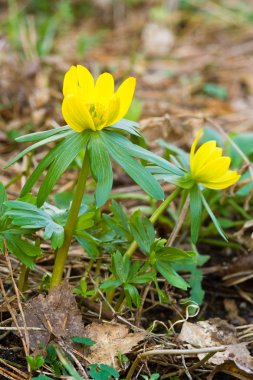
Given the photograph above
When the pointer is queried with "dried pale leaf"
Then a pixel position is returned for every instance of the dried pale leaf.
(110, 338)
(215, 332)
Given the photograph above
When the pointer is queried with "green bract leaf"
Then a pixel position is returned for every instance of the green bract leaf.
(69, 151)
(44, 163)
(196, 212)
(142, 230)
(128, 126)
(134, 150)
(133, 168)
(212, 216)
(101, 168)
(37, 136)
(3, 198)
(38, 144)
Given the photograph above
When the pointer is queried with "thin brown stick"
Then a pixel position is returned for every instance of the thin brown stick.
(179, 222)
(193, 351)
(27, 348)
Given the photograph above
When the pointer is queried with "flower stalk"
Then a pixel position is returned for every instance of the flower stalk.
(62, 252)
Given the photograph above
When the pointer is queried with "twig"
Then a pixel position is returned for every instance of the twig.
(193, 351)
(179, 222)
(27, 349)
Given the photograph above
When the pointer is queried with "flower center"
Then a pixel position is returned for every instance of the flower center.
(98, 113)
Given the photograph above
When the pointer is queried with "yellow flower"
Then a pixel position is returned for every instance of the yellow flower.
(209, 167)
(90, 105)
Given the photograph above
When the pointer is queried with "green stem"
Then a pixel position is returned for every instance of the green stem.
(22, 281)
(134, 245)
(62, 252)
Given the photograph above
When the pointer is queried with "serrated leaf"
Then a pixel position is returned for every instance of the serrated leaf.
(68, 153)
(142, 230)
(20, 249)
(171, 275)
(107, 284)
(173, 255)
(101, 168)
(120, 266)
(132, 295)
(28, 216)
(196, 212)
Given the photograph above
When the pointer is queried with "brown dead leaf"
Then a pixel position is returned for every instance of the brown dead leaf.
(215, 332)
(231, 369)
(56, 314)
(110, 338)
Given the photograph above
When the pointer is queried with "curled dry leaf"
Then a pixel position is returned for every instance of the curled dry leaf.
(110, 338)
(56, 314)
(216, 332)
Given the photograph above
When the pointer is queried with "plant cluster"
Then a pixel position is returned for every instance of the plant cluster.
(97, 135)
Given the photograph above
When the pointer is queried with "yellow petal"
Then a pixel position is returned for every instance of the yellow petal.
(104, 88)
(214, 169)
(86, 83)
(202, 155)
(70, 82)
(125, 94)
(193, 147)
(76, 113)
(223, 182)
(113, 110)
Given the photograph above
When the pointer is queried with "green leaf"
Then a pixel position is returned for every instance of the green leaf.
(132, 167)
(107, 284)
(37, 136)
(197, 292)
(101, 168)
(35, 362)
(132, 295)
(84, 341)
(143, 278)
(23, 250)
(215, 90)
(143, 231)
(3, 198)
(196, 212)
(102, 372)
(68, 153)
(37, 145)
(172, 255)
(171, 275)
(120, 266)
(28, 216)
(134, 150)
(128, 126)
(44, 163)
(85, 221)
(212, 216)
(42, 377)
